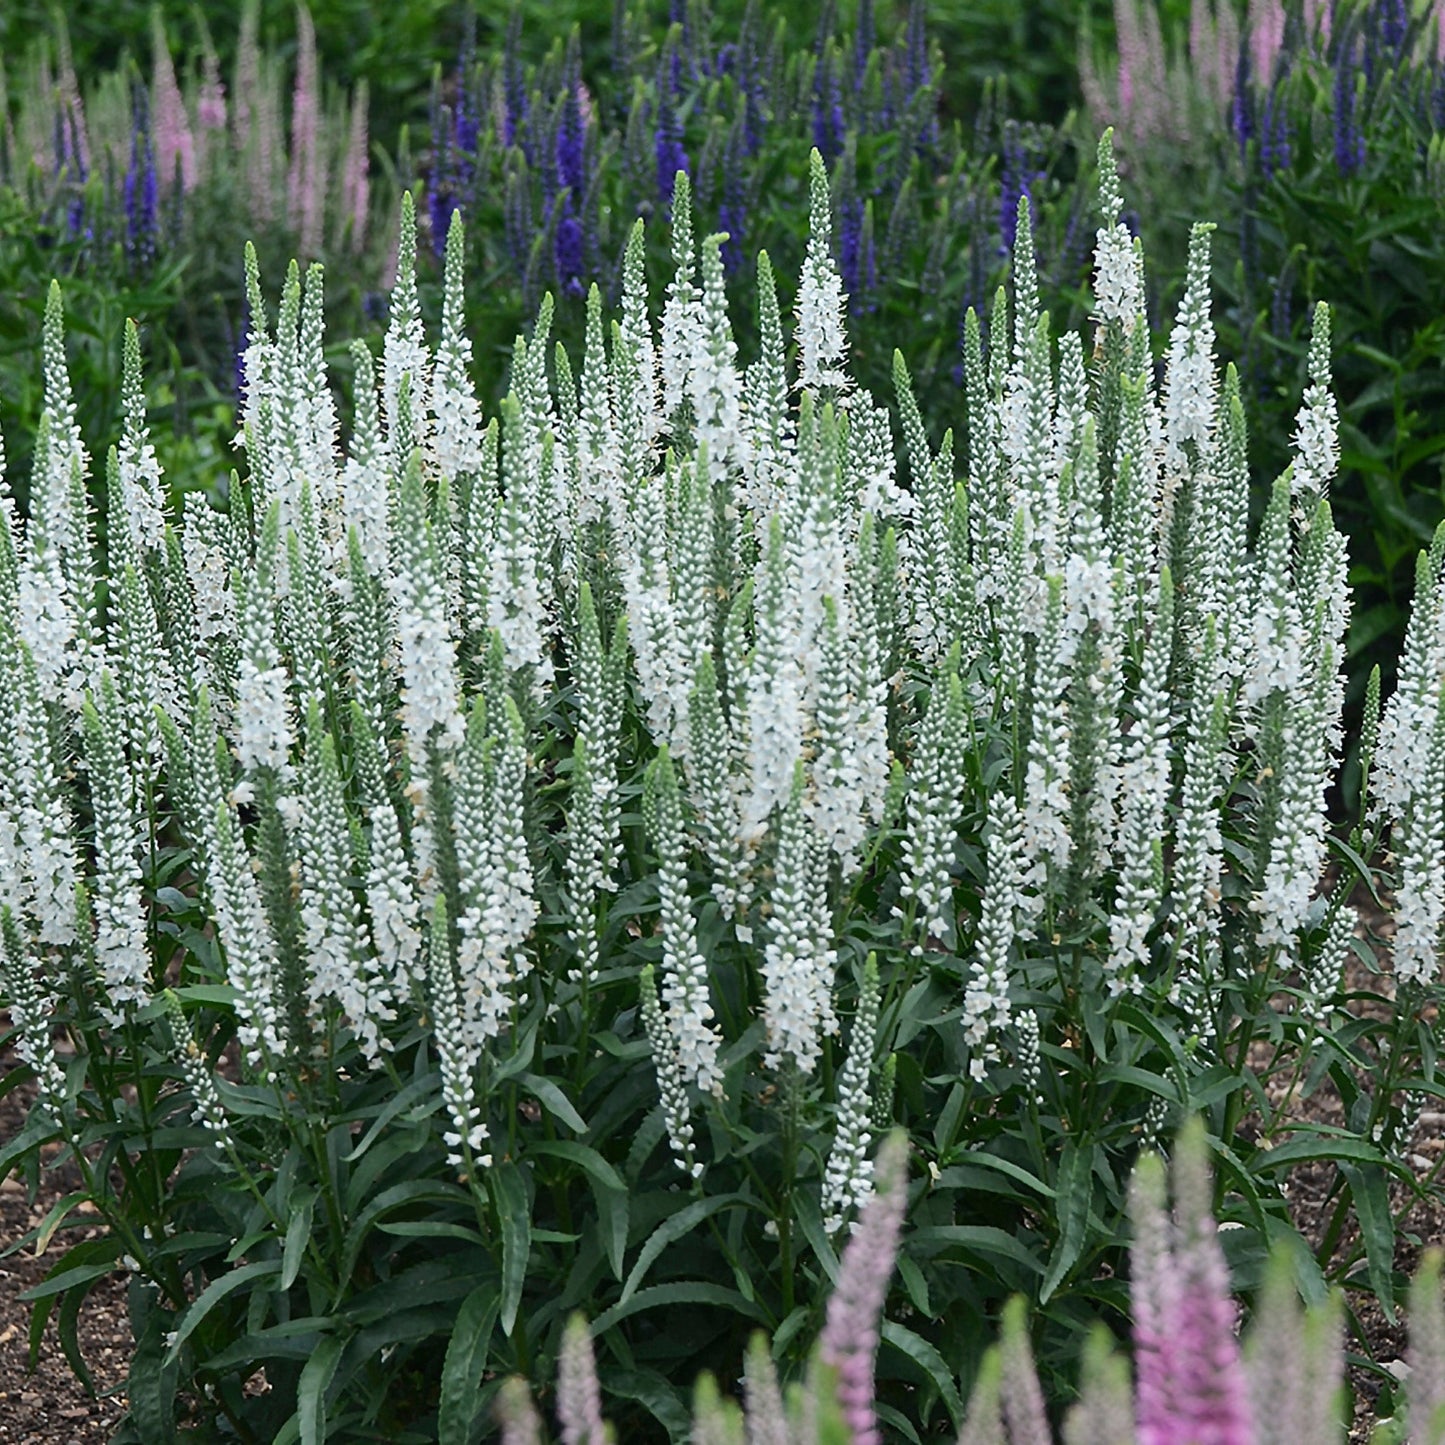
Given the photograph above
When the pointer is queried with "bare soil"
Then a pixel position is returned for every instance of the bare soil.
(50, 1406)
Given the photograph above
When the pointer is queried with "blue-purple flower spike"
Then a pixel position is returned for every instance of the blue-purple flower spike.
(142, 198)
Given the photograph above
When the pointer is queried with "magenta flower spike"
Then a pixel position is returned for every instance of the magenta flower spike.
(1191, 1387)
(355, 177)
(850, 1335)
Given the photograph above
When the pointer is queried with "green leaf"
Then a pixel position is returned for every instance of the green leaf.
(613, 1219)
(673, 1228)
(58, 1283)
(30, 1137)
(1313, 1148)
(927, 1358)
(966, 1176)
(212, 1295)
(514, 1214)
(978, 1239)
(608, 1190)
(556, 1101)
(218, 995)
(1075, 1187)
(663, 1400)
(1370, 1191)
(943, 1132)
(418, 1089)
(914, 1285)
(39, 1318)
(411, 1191)
(151, 1386)
(899, 1421)
(66, 1325)
(465, 1360)
(680, 1292)
(53, 1220)
(311, 1393)
(430, 1229)
(298, 1235)
(291, 1340)
(582, 1155)
(1358, 866)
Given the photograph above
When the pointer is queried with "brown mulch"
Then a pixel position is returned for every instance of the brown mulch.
(51, 1407)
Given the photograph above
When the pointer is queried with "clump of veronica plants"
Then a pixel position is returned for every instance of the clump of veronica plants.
(497, 868)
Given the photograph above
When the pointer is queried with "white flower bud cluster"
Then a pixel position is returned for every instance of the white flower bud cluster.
(822, 335)
(1143, 796)
(799, 960)
(695, 1041)
(986, 1005)
(848, 1173)
(1406, 776)
(406, 361)
(671, 1082)
(468, 1134)
(207, 1109)
(1046, 842)
(121, 927)
(495, 884)
(142, 488)
(1189, 379)
(430, 700)
(455, 443)
(935, 804)
(680, 335)
(342, 966)
(30, 1013)
(49, 868)
(1317, 433)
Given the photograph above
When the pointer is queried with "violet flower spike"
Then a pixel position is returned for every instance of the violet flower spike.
(1212, 1392)
(850, 1336)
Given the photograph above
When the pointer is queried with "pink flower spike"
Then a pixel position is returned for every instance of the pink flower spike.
(306, 178)
(174, 146)
(1022, 1399)
(579, 1399)
(1191, 1387)
(766, 1422)
(355, 180)
(850, 1334)
(517, 1415)
(1213, 1393)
